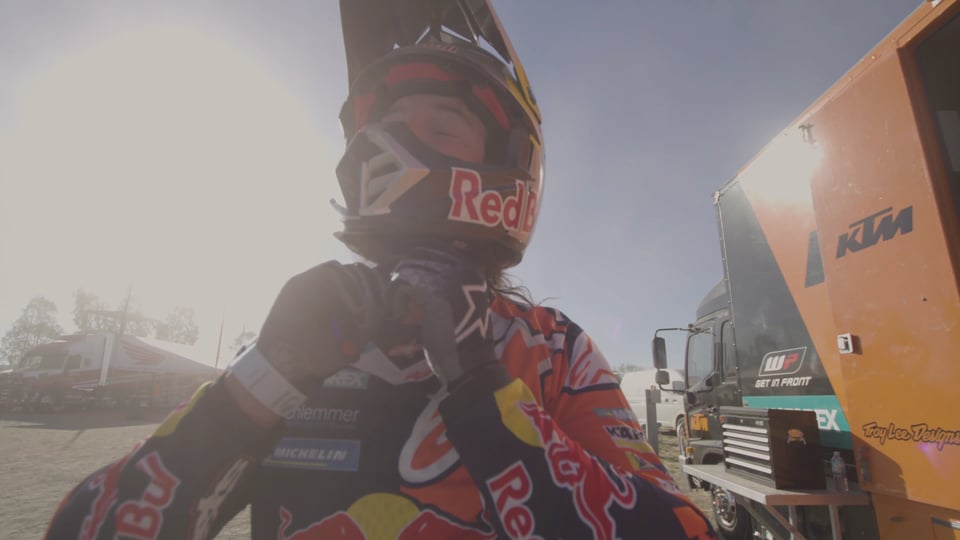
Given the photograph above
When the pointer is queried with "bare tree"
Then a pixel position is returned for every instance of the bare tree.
(37, 324)
(91, 315)
(179, 327)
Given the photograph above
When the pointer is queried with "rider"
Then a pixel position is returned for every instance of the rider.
(420, 395)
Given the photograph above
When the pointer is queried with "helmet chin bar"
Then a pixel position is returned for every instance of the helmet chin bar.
(398, 194)
(377, 168)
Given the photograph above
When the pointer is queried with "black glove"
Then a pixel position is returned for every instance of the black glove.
(321, 320)
(449, 297)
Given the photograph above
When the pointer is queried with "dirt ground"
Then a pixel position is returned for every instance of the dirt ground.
(669, 453)
(43, 455)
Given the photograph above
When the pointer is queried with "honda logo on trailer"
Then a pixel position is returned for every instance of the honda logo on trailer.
(786, 362)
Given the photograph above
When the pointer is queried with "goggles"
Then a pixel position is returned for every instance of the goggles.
(367, 102)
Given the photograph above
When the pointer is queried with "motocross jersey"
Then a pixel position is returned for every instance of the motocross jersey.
(372, 454)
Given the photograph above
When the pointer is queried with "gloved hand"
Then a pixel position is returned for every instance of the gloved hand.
(320, 321)
(447, 296)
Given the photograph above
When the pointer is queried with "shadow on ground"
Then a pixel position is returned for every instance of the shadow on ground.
(82, 420)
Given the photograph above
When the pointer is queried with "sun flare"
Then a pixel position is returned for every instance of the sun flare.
(161, 159)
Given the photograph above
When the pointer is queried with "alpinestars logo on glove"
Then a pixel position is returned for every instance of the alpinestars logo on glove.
(472, 204)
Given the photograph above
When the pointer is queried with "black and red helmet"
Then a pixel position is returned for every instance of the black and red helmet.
(397, 192)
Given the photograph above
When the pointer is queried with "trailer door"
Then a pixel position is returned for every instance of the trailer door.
(886, 207)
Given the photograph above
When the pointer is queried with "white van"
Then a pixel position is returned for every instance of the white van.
(670, 406)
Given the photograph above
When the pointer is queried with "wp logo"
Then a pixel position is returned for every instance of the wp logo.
(785, 362)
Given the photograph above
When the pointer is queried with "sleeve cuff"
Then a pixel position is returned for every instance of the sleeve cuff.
(226, 419)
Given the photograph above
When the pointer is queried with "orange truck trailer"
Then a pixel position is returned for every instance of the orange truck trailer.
(841, 255)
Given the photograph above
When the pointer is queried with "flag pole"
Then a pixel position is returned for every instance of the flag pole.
(216, 361)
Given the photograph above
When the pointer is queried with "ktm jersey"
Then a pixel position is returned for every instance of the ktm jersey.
(373, 454)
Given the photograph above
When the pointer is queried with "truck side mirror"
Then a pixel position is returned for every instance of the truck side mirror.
(662, 377)
(659, 353)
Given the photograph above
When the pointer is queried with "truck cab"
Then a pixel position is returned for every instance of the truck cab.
(103, 369)
(711, 375)
(49, 373)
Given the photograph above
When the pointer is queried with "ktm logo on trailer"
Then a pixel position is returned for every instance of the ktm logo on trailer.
(786, 362)
(869, 231)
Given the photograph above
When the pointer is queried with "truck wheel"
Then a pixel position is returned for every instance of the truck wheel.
(733, 521)
(40, 403)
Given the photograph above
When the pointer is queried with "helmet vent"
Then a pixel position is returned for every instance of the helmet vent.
(387, 174)
(384, 168)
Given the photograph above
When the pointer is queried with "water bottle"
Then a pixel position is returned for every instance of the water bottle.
(839, 469)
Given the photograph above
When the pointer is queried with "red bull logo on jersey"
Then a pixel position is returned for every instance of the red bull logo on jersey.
(595, 487)
(143, 518)
(339, 525)
(106, 484)
(383, 515)
(471, 204)
(511, 489)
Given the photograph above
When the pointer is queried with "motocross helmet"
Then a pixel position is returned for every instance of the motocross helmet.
(398, 193)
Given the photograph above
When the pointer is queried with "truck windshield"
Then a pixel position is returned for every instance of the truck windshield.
(48, 356)
(699, 357)
(45, 361)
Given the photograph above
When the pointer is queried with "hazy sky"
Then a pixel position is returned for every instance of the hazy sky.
(186, 149)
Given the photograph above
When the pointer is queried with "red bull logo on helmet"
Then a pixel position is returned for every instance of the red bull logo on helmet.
(471, 204)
